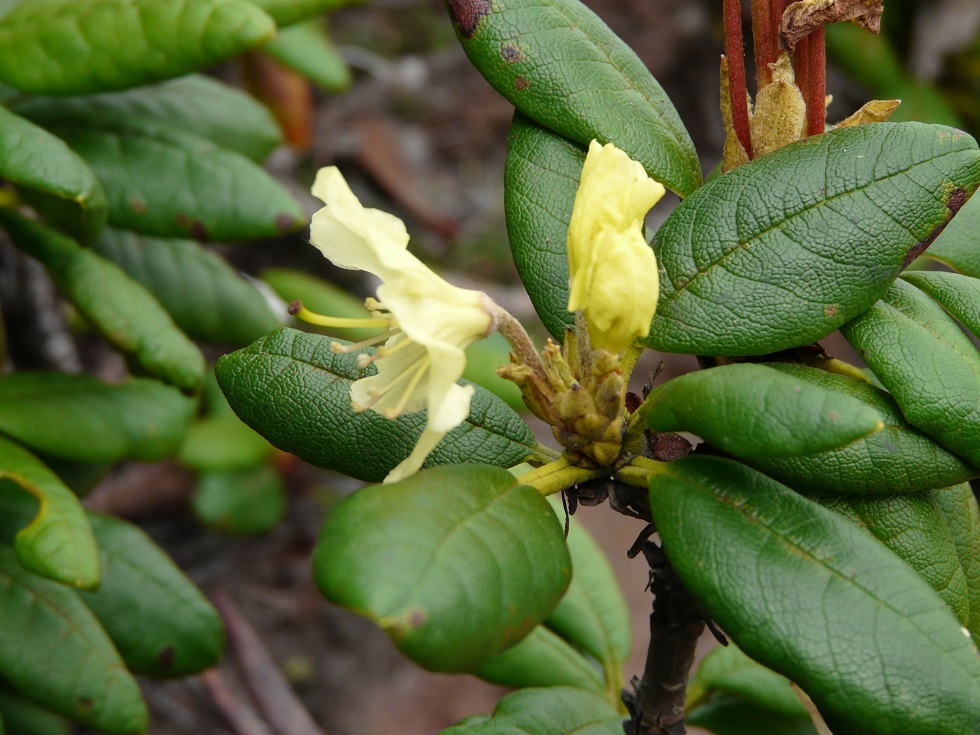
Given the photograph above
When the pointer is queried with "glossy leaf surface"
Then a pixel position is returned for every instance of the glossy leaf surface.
(560, 65)
(727, 715)
(53, 537)
(52, 646)
(923, 358)
(81, 418)
(547, 711)
(205, 297)
(958, 246)
(959, 295)
(222, 443)
(76, 46)
(158, 620)
(246, 501)
(542, 659)
(194, 104)
(51, 176)
(122, 310)
(912, 527)
(753, 411)
(172, 184)
(898, 459)
(306, 48)
(455, 563)
(22, 717)
(958, 507)
(541, 179)
(295, 392)
(804, 592)
(782, 251)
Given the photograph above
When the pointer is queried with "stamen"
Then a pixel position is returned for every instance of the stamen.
(420, 371)
(413, 373)
(321, 320)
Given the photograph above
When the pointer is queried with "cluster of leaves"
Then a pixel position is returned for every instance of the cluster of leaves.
(130, 161)
(836, 538)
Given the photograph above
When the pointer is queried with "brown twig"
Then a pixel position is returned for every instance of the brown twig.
(736, 73)
(236, 711)
(268, 687)
(816, 89)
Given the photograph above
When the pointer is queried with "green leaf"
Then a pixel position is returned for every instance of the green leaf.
(958, 295)
(593, 614)
(782, 251)
(912, 527)
(728, 715)
(547, 711)
(898, 459)
(287, 12)
(173, 184)
(54, 537)
(122, 310)
(958, 507)
(22, 717)
(194, 104)
(58, 183)
(931, 367)
(160, 622)
(806, 593)
(306, 48)
(207, 299)
(542, 659)
(85, 46)
(81, 418)
(321, 297)
(456, 563)
(53, 648)
(222, 443)
(727, 669)
(560, 65)
(753, 411)
(292, 389)
(540, 182)
(958, 246)
(246, 502)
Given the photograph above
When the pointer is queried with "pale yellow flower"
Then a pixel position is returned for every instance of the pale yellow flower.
(429, 322)
(613, 275)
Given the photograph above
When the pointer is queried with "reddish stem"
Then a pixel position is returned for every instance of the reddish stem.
(816, 89)
(801, 67)
(762, 41)
(736, 73)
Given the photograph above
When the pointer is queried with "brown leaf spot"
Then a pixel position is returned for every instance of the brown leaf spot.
(198, 231)
(85, 704)
(831, 310)
(137, 205)
(166, 658)
(466, 14)
(417, 618)
(285, 223)
(521, 83)
(512, 54)
(957, 198)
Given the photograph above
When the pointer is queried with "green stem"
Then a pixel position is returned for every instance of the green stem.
(639, 471)
(557, 476)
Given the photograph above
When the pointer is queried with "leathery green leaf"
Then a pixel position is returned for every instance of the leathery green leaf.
(923, 358)
(51, 176)
(244, 501)
(560, 65)
(727, 669)
(728, 715)
(173, 184)
(85, 46)
(958, 246)
(222, 443)
(540, 182)
(54, 538)
(912, 526)
(158, 620)
(207, 299)
(22, 717)
(292, 389)
(456, 563)
(306, 48)
(958, 507)
(959, 295)
(542, 659)
(121, 309)
(806, 593)
(755, 411)
(782, 251)
(287, 12)
(194, 104)
(898, 459)
(546, 711)
(52, 647)
(83, 419)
